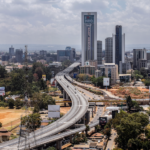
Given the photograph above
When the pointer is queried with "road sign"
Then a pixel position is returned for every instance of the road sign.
(102, 121)
(2, 91)
(105, 81)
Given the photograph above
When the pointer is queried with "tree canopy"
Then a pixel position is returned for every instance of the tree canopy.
(32, 122)
(43, 100)
(129, 127)
(3, 72)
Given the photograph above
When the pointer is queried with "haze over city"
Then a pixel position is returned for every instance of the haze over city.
(58, 22)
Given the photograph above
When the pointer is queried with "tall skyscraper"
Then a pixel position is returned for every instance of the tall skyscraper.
(109, 50)
(89, 36)
(11, 51)
(99, 52)
(118, 46)
(139, 59)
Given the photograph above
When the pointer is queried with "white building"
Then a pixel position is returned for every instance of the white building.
(89, 36)
(55, 64)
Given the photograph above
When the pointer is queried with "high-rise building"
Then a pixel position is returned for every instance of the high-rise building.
(99, 52)
(43, 53)
(19, 55)
(139, 59)
(68, 54)
(89, 36)
(11, 51)
(118, 46)
(109, 50)
(5, 57)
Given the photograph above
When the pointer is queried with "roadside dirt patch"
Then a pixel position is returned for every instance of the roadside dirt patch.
(64, 110)
(10, 117)
(136, 93)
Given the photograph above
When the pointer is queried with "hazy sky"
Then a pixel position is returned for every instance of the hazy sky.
(59, 21)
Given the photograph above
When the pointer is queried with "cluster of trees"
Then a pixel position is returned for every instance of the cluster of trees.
(129, 129)
(137, 75)
(15, 81)
(79, 138)
(96, 81)
(17, 103)
(132, 104)
(32, 121)
(83, 77)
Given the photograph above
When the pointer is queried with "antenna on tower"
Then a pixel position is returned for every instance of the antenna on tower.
(25, 134)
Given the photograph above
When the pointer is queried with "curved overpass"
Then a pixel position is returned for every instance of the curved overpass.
(48, 133)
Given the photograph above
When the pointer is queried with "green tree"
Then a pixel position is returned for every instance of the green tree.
(79, 138)
(36, 109)
(36, 65)
(35, 88)
(147, 82)
(32, 122)
(129, 102)
(107, 131)
(87, 129)
(18, 103)
(42, 84)
(143, 72)
(39, 71)
(137, 75)
(17, 82)
(51, 148)
(3, 72)
(43, 100)
(129, 128)
(11, 103)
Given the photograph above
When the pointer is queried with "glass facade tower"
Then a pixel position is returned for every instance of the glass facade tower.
(118, 44)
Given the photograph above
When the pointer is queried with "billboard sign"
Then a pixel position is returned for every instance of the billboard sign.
(44, 77)
(54, 114)
(75, 75)
(53, 108)
(89, 19)
(105, 81)
(102, 121)
(2, 91)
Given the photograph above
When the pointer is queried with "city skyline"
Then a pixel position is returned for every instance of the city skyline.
(27, 21)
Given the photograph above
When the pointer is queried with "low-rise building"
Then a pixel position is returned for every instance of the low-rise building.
(4, 135)
(91, 63)
(110, 70)
(87, 69)
(55, 64)
(125, 77)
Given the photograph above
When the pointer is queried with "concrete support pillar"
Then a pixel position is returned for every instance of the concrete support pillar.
(64, 94)
(92, 113)
(95, 129)
(71, 139)
(67, 97)
(59, 145)
(95, 109)
(84, 119)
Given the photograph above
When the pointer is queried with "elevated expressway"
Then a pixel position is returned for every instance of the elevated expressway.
(49, 133)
